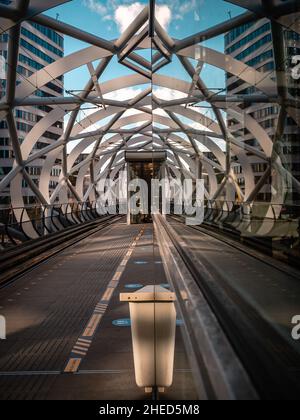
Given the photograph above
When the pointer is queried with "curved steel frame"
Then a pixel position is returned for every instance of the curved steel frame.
(159, 123)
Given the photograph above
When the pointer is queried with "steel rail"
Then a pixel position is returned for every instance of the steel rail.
(252, 337)
(17, 261)
(218, 372)
(233, 242)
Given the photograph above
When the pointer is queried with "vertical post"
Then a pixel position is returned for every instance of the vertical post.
(164, 180)
(229, 195)
(2, 328)
(198, 175)
(228, 156)
(198, 168)
(128, 195)
(151, 18)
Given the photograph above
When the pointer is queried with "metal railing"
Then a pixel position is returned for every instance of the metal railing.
(216, 369)
(217, 211)
(16, 223)
(256, 211)
(272, 228)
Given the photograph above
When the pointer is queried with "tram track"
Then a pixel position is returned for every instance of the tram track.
(271, 361)
(18, 261)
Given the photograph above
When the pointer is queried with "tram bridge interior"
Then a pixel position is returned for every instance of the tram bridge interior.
(99, 302)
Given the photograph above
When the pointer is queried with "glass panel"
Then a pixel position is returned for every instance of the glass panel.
(198, 98)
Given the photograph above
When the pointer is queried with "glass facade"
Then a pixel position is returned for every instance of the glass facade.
(50, 34)
(41, 42)
(35, 41)
(36, 51)
(175, 126)
(264, 28)
(254, 47)
(262, 49)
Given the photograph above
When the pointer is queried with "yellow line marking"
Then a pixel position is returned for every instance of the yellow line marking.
(113, 284)
(93, 320)
(82, 345)
(84, 341)
(80, 348)
(89, 332)
(73, 365)
(81, 353)
(120, 271)
(108, 294)
(100, 309)
(117, 276)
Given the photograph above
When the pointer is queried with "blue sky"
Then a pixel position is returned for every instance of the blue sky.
(106, 18)
(188, 16)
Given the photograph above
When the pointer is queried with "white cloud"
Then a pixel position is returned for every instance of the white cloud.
(124, 15)
(2, 68)
(123, 94)
(95, 6)
(164, 16)
(108, 18)
(187, 7)
(168, 94)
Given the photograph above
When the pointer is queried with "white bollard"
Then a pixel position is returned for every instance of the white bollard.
(153, 327)
(2, 328)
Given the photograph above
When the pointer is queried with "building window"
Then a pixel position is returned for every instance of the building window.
(29, 62)
(5, 170)
(259, 167)
(54, 87)
(260, 58)
(4, 38)
(4, 141)
(51, 136)
(36, 51)
(49, 33)
(3, 125)
(6, 154)
(254, 47)
(25, 116)
(23, 71)
(41, 42)
(23, 127)
(266, 27)
(34, 171)
(266, 112)
(232, 35)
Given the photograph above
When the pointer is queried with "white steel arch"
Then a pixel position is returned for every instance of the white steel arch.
(124, 123)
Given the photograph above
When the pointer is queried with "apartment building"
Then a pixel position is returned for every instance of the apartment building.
(39, 47)
(252, 44)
